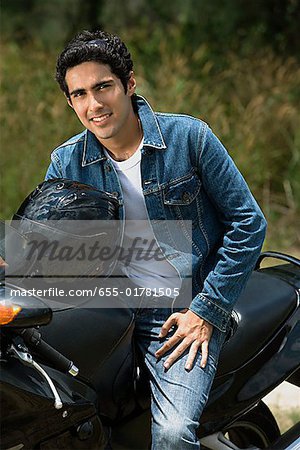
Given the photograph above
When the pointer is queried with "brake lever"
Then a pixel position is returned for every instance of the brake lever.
(26, 358)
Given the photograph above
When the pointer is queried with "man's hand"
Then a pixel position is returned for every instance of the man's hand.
(192, 331)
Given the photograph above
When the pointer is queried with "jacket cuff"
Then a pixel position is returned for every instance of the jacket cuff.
(210, 312)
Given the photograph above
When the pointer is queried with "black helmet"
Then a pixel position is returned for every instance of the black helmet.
(63, 221)
(63, 199)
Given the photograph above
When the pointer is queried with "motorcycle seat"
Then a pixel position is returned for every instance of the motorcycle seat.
(260, 311)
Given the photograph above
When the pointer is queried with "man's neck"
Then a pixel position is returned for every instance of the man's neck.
(123, 148)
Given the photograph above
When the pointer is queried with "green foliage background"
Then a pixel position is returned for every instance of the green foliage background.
(235, 64)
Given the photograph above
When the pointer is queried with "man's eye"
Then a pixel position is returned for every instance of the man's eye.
(77, 94)
(103, 86)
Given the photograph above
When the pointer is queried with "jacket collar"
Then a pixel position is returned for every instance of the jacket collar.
(93, 150)
(152, 132)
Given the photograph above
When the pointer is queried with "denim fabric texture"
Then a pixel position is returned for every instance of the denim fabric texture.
(187, 175)
(178, 397)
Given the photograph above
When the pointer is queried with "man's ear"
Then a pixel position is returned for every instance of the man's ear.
(131, 85)
(69, 101)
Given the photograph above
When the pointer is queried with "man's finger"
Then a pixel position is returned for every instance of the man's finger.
(192, 355)
(176, 353)
(204, 350)
(166, 326)
(168, 345)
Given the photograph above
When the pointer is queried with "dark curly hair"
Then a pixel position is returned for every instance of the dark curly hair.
(98, 46)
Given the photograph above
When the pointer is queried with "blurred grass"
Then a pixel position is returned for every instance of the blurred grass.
(286, 417)
(250, 101)
(34, 120)
(284, 403)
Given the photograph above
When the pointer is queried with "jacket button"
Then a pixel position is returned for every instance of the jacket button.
(107, 168)
(185, 196)
(115, 194)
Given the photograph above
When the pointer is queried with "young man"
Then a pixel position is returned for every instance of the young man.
(163, 167)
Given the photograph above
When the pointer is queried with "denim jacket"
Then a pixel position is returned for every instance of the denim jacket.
(187, 175)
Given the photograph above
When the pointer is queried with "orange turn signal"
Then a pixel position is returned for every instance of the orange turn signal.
(8, 311)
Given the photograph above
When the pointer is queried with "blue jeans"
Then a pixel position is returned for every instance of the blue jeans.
(178, 397)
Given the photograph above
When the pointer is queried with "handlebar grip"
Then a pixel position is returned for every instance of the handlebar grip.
(33, 339)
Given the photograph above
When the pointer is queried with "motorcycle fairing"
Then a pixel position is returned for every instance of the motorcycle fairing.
(30, 416)
(99, 341)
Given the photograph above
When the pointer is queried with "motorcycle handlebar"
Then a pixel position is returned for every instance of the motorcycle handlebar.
(33, 339)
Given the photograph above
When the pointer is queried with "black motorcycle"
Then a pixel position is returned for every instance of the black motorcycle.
(71, 377)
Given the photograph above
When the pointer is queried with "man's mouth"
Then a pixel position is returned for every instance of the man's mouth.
(100, 119)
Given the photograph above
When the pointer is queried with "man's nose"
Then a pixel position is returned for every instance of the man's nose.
(95, 102)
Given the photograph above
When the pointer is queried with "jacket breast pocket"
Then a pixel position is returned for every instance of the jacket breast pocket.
(181, 197)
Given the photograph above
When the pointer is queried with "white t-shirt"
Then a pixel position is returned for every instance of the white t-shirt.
(153, 273)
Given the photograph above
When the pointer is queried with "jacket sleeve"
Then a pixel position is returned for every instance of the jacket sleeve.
(245, 228)
(54, 170)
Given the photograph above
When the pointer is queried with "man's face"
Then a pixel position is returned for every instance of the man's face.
(99, 100)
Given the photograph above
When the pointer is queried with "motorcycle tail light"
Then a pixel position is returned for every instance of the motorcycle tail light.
(8, 311)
